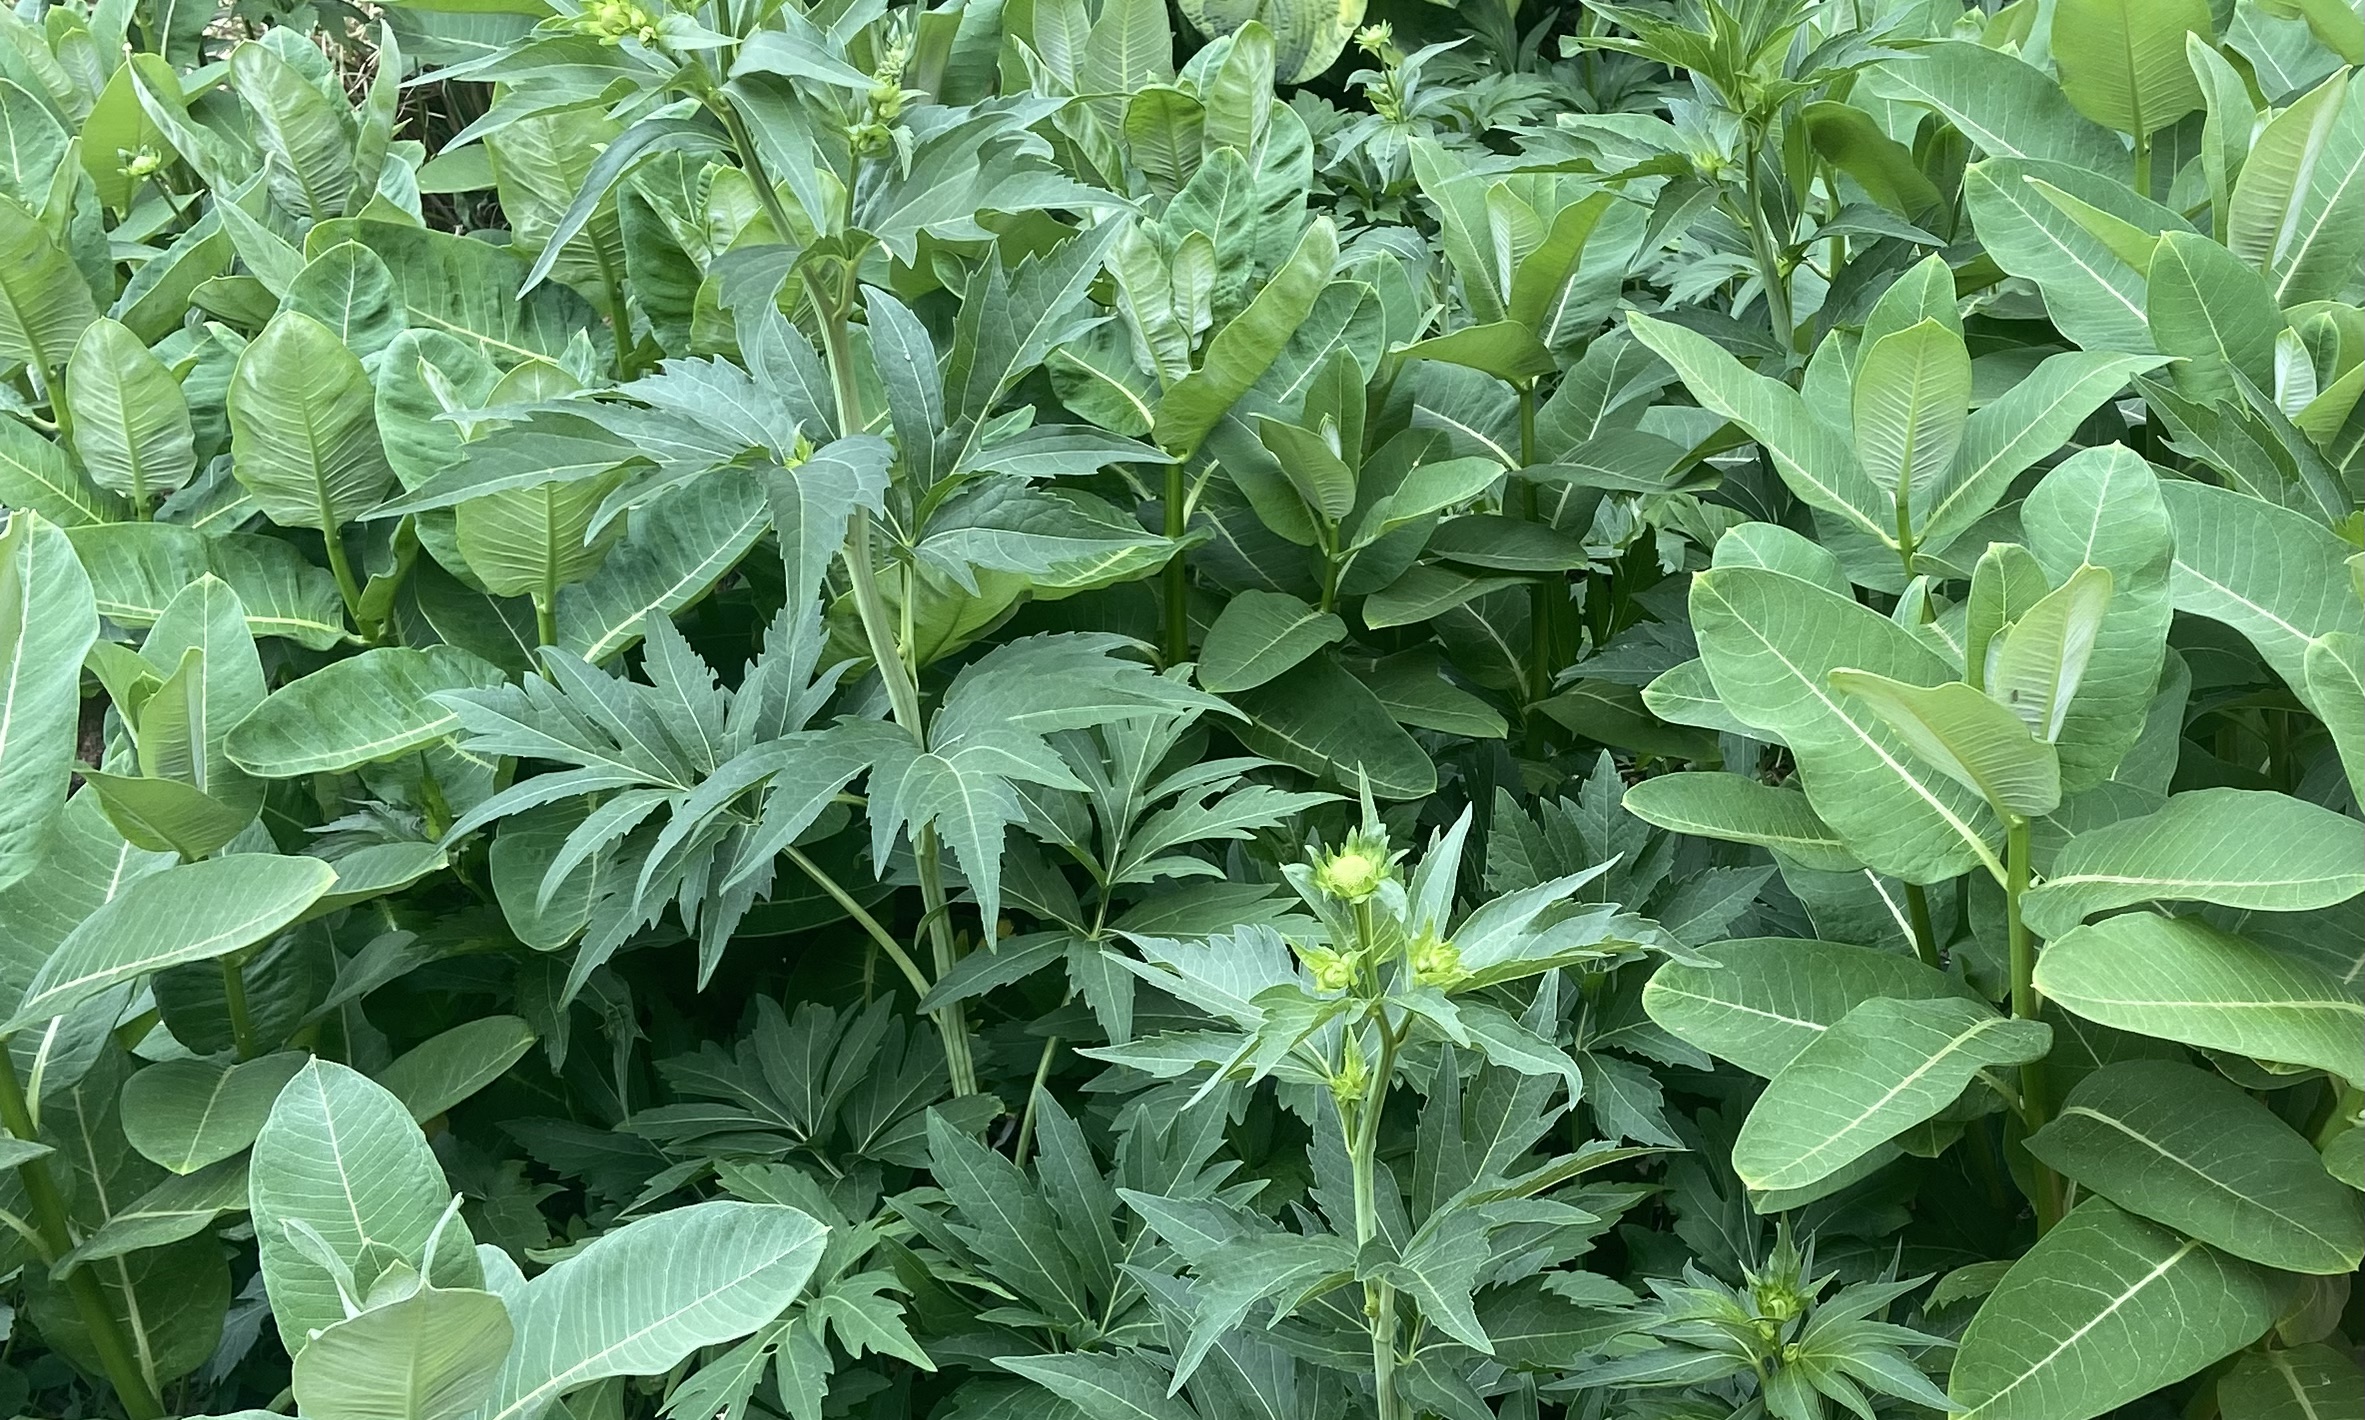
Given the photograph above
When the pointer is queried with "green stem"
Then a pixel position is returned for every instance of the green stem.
(242, 1021)
(1176, 577)
(869, 924)
(903, 695)
(1379, 1298)
(1925, 937)
(2027, 1006)
(2143, 165)
(342, 567)
(1026, 1119)
(1764, 250)
(99, 1323)
(1539, 594)
(753, 162)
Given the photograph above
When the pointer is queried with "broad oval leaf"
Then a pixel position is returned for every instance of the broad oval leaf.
(445, 1069)
(193, 912)
(2187, 981)
(1324, 721)
(186, 1114)
(1770, 643)
(131, 422)
(2248, 848)
(1259, 635)
(372, 707)
(639, 1299)
(304, 427)
(2183, 1147)
(47, 623)
(1740, 809)
(339, 1164)
(2105, 1308)
(429, 1356)
(1883, 1068)
(1768, 998)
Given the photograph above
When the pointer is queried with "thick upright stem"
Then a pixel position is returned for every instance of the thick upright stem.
(1925, 936)
(2027, 1006)
(1540, 595)
(132, 1390)
(342, 568)
(1379, 1298)
(242, 1021)
(1177, 581)
(903, 696)
(1766, 251)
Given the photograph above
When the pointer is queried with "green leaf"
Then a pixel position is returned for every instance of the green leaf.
(2295, 201)
(2122, 61)
(1881, 1069)
(2278, 577)
(639, 1300)
(1247, 345)
(2007, 107)
(533, 541)
(2336, 692)
(182, 1206)
(1739, 809)
(194, 912)
(1770, 643)
(2312, 1382)
(1968, 737)
(187, 1114)
(468, 289)
(2007, 435)
(2183, 1147)
(1912, 398)
(2242, 848)
(38, 475)
(1765, 999)
(2104, 1309)
(1320, 719)
(44, 302)
(1103, 1385)
(2214, 313)
(1307, 35)
(445, 1069)
(131, 422)
(2036, 664)
(340, 1169)
(2093, 295)
(308, 150)
(366, 709)
(1258, 635)
(48, 621)
(2102, 508)
(1813, 458)
(2187, 981)
(303, 427)
(678, 547)
(429, 1356)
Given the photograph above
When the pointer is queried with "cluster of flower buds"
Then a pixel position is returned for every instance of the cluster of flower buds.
(872, 135)
(141, 163)
(1388, 98)
(615, 21)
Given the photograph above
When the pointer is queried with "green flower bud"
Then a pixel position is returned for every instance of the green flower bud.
(1435, 962)
(1354, 870)
(1332, 971)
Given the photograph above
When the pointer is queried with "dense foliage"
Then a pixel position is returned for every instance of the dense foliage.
(1032, 708)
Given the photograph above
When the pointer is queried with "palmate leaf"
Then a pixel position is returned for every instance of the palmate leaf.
(990, 732)
(2105, 1308)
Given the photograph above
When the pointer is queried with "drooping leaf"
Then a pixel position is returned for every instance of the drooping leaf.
(2240, 847)
(47, 624)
